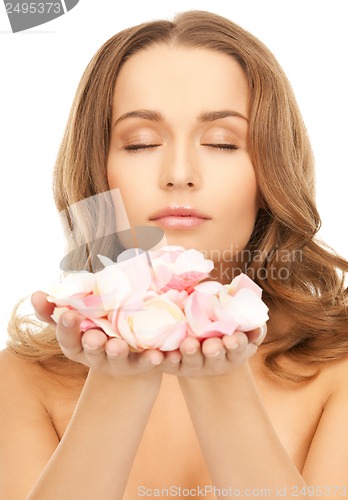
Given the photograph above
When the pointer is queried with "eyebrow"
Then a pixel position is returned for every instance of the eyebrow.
(211, 116)
(155, 116)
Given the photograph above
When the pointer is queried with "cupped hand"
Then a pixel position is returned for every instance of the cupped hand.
(94, 348)
(214, 356)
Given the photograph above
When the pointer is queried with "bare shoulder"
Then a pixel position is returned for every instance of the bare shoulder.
(336, 373)
(16, 372)
(27, 429)
(46, 386)
(332, 382)
(327, 459)
(42, 376)
(23, 385)
(25, 426)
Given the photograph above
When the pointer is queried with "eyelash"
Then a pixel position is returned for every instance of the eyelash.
(224, 147)
(134, 148)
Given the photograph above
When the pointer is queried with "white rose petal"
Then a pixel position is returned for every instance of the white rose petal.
(246, 308)
(72, 284)
(192, 261)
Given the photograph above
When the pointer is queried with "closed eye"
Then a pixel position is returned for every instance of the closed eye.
(138, 147)
(221, 146)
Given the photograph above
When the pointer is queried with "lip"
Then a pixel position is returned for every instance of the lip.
(179, 217)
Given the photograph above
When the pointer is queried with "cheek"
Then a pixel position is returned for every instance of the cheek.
(240, 207)
(127, 174)
(240, 192)
(245, 198)
(130, 195)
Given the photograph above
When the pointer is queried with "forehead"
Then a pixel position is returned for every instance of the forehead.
(171, 78)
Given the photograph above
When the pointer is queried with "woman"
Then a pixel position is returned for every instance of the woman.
(193, 117)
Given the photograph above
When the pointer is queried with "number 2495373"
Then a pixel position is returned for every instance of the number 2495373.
(33, 8)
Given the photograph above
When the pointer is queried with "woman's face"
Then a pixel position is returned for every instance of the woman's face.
(179, 150)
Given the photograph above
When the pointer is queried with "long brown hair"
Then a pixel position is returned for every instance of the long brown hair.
(303, 281)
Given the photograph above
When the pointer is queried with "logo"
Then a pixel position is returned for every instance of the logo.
(26, 15)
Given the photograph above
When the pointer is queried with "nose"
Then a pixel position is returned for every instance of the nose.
(180, 170)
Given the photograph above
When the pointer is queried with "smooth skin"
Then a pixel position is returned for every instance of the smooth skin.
(180, 137)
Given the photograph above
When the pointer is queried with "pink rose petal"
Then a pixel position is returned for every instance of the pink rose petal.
(244, 282)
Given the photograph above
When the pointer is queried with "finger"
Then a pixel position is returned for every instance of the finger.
(171, 362)
(118, 353)
(172, 357)
(235, 345)
(69, 334)
(190, 350)
(212, 346)
(149, 358)
(251, 350)
(43, 309)
(213, 351)
(93, 342)
(116, 349)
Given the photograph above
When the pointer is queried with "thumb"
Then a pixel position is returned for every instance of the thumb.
(43, 309)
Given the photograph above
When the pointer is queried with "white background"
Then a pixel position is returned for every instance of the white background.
(40, 69)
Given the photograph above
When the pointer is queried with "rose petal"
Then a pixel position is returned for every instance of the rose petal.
(246, 308)
(87, 324)
(219, 328)
(58, 311)
(174, 337)
(197, 318)
(112, 280)
(176, 296)
(150, 323)
(209, 287)
(106, 326)
(72, 284)
(192, 261)
(244, 282)
(138, 271)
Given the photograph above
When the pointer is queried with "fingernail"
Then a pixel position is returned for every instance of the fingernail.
(68, 320)
(216, 354)
(234, 346)
(92, 347)
(191, 351)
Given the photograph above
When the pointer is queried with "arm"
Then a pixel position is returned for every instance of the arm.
(94, 458)
(238, 441)
(236, 435)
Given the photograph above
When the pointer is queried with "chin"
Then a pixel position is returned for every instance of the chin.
(184, 240)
